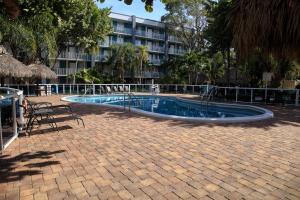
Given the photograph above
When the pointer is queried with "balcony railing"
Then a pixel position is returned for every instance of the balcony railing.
(156, 48)
(150, 35)
(119, 29)
(177, 51)
(117, 42)
(75, 56)
(173, 38)
(65, 71)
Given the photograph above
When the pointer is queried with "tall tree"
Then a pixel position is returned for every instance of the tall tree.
(186, 20)
(122, 58)
(271, 26)
(218, 32)
(142, 58)
(54, 24)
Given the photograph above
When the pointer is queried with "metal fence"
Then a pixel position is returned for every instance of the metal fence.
(231, 94)
(10, 112)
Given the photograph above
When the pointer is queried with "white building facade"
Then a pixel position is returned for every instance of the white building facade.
(126, 29)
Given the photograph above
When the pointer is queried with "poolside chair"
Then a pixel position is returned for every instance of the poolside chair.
(40, 112)
(126, 88)
(108, 90)
(121, 89)
(102, 90)
(115, 88)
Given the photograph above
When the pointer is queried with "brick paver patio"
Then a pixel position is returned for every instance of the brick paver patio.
(128, 156)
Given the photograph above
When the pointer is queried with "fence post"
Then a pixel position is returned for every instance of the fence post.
(297, 98)
(193, 89)
(94, 89)
(77, 89)
(236, 94)
(84, 88)
(14, 117)
(27, 90)
(251, 95)
(63, 88)
(129, 88)
(21, 109)
(266, 95)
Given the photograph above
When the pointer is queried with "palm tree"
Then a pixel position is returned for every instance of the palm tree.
(214, 67)
(142, 57)
(270, 26)
(122, 58)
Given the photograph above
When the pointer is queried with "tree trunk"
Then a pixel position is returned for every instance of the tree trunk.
(228, 66)
(141, 69)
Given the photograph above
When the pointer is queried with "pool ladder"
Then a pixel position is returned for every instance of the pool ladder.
(130, 97)
(213, 91)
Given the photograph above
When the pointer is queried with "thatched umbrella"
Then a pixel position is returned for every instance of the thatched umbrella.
(270, 26)
(40, 71)
(11, 67)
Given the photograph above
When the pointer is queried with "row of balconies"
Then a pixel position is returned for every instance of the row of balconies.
(70, 71)
(154, 35)
(89, 57)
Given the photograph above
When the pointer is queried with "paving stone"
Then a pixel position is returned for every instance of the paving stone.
(121, 155)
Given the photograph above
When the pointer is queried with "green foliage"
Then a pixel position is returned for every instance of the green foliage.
(88, 76)
(122, 58)
(44, 27)
(194, 68)
(214, 67)
(186, 20)
(148, 3)
(218, 33)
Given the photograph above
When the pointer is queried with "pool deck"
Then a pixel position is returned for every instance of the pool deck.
(122, 155)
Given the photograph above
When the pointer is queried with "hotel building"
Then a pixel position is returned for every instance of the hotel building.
(126, 29)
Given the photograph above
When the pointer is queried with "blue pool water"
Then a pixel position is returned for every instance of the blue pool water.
(176, 108)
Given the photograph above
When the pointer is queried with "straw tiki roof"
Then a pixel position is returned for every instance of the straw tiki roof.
(269, 25)
(40, 71)
(11, 67)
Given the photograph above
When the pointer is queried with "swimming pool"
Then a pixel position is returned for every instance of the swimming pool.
(178, 108)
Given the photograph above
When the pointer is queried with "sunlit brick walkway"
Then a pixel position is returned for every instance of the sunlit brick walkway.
(128, 156)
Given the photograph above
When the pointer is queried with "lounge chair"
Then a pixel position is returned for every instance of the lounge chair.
(115, 88)
(126, 88)
(121, 89)
(108, 90)
(39, 112)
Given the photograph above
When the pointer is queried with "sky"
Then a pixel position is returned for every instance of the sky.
(136, 8)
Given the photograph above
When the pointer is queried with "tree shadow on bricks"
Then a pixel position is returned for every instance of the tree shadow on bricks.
(12, 168)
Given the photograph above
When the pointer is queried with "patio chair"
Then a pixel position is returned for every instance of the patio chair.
(102, 90)
(108, 90)
(121, 89)
(40, 112)
(126, 88)
(115, 88)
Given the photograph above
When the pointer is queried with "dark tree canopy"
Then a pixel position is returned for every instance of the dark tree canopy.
(271, 26)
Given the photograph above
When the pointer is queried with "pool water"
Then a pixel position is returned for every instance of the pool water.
(175, 107)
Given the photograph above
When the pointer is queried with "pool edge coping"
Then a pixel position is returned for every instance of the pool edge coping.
(267, 113)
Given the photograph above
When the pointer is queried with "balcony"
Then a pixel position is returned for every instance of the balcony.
(100, 58)
(157, 49)
(120, 29)
(150, 35)
(105, 43)
(172, 38)
(65, 71)
(121, 42)
(74, 56)
(177, 51)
